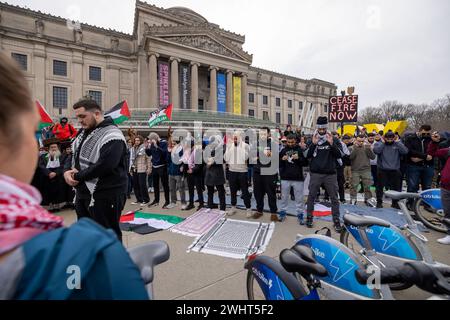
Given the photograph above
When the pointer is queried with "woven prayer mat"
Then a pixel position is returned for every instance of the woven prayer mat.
(234, 239)
(199, 223)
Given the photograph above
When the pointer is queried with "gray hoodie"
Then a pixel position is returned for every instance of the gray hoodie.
(389, 155)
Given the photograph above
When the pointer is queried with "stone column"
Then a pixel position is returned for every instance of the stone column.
(39, 57)
(244, 98)
(194, 85)
(77, 89)
(143, 80)
(213, 89)
(174, 86)
(154, 103)
(229, 91)
(113, 74)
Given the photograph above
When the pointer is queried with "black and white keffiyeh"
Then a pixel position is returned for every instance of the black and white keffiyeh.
(90, 150)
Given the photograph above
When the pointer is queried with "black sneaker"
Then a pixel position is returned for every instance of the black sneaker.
(189, 207)
(165, 205)
(338, 227)
(309, 222)
(200, 206)
(153, 204)
(379, 205)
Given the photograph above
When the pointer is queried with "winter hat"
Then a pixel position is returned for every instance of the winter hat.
(153, 136)
(322, 123)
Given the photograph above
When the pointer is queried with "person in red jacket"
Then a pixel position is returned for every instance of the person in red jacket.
(434, 150)
(64, 130)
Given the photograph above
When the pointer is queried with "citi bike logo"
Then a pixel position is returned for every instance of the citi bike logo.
(318, 253)
(261, 276)
(431, 196)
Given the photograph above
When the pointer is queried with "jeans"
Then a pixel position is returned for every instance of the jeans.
(263, 185)
(140, 187)
(329, 181)
(419, 175)
(177, 183)
(298, 193)
(238, 181)
(161, 174)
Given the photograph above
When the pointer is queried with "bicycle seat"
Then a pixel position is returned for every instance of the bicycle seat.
(395, 195)
(149, 255)
(301, 259)
(364, 221)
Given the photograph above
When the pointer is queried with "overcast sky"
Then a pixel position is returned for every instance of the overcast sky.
(388, 50)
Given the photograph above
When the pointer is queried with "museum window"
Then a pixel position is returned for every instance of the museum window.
(278, 117)
(95, 73)
(278, 102)
(251, 113)
(289, 118)
(251, 97)
(300, 105)
(265, 100)
(265, 115)
(22, 60)
(325, 108)
(290, 104)
(96, 96)
(59, 68)
(60, 97)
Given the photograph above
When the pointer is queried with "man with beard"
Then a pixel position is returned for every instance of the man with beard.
(323, 155)
(389, 152)
(99, 167)
(51, 166)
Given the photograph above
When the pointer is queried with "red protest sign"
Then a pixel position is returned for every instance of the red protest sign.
(343, 109)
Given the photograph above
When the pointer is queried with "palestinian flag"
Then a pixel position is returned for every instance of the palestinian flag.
(145, 223)
(119, 113)
(160, 115)
(321, 210)
(46, 121)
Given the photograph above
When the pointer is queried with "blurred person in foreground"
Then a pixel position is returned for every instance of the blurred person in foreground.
(36, 252)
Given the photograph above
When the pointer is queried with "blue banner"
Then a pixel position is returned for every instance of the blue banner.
(221, 93)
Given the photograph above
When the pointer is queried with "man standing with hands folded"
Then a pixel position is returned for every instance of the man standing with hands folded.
(99, 167)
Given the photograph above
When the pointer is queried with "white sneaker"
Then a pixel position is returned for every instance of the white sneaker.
(135, 203)
(249, 214)
(184, 206)
(171, 206)
(231, 212)
(151, 190)
(445, 240)
(143, 204)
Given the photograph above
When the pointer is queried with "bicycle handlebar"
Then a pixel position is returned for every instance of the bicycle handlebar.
(426, 277)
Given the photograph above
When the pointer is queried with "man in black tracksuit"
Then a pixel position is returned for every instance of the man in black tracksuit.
(264, 183)
(110, 170)
(323, 154)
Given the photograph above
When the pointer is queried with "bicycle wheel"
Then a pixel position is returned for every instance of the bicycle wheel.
(254, 291)
(351, 243)
(430, 217)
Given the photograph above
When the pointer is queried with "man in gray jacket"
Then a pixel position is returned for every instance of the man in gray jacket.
(389, 151)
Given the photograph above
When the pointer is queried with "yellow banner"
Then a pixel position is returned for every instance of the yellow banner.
(237, 106)
(374, 127)
(396, 126)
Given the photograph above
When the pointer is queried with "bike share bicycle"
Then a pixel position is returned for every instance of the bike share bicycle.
(428, 208)
(331, 265)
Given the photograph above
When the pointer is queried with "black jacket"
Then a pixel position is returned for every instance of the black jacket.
(325, 162)
(257, 152)
(214, 174)
(292, 170)
(417, 149)
(110, 169)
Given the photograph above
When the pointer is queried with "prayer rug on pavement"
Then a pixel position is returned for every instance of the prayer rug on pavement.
(234, 239)
(199, 223)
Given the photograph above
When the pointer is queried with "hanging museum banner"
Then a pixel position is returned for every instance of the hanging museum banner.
(184, 87)
(237, 106)
(221, 92)
(163, 68)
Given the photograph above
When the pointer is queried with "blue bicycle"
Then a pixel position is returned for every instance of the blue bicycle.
(392, 246)
(428, 208)
(321, 267)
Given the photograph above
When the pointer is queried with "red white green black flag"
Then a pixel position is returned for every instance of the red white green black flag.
(46, 120)
(160, 115)
(119, 113)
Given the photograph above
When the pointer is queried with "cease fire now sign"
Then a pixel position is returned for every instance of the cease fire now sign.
(343, 109)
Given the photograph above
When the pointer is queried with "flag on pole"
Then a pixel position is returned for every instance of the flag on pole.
(160, 115)
(119, 113)
(46, 120)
